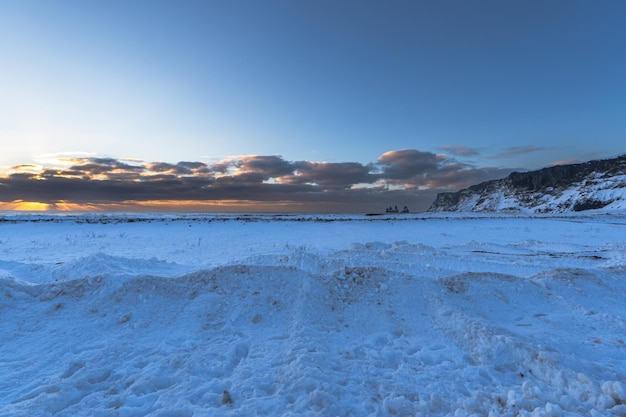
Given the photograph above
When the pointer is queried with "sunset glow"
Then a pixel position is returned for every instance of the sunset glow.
(298, 106)
(407, 177)
(25, 206)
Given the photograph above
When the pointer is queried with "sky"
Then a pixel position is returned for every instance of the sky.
(299, 105)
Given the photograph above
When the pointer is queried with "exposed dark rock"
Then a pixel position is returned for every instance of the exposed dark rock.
(563, 176)
(590, 205)
(542, 190)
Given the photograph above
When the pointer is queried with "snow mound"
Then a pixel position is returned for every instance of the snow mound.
(244, 340)
(445, 317)
(103, 264)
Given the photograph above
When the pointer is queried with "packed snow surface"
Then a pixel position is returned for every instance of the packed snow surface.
(427, 315)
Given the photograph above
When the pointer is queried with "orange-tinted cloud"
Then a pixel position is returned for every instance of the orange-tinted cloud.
(566, 162)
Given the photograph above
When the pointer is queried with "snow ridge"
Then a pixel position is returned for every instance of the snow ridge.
(455, 318)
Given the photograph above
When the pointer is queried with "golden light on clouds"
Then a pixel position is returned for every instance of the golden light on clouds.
(233, 206)
(213, 206)
(25, 206)
(19, 205)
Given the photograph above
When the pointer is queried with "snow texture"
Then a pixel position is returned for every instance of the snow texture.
(412, 315)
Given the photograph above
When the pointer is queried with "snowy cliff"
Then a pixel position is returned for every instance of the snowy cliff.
(599, 184)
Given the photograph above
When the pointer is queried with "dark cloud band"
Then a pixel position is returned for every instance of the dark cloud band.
(406, 177)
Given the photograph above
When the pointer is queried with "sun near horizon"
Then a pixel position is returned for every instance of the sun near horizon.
(166, 206)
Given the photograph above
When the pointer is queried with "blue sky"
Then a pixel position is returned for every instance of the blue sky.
(484, 86)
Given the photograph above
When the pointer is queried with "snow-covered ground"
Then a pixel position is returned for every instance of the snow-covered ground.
(428, 315)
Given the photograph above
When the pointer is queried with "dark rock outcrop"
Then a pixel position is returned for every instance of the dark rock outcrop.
(576, 187)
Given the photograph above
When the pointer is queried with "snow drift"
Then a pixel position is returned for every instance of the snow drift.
(524, 316)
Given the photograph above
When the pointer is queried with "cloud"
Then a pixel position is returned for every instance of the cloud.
(25, 167)
(566, 162)
(404, 177)
(459, 150)
(409, 164)
(328, 175)
(454, 177)
(94, 167)
(516, 150)
(265, 166)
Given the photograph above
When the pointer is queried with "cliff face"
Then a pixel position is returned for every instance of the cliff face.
(563, 188)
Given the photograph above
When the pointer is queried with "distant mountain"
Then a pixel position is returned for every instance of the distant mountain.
(599, 184)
